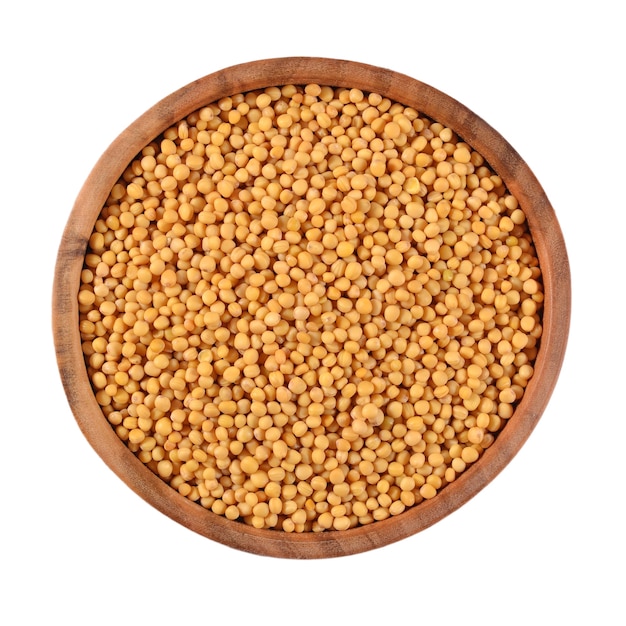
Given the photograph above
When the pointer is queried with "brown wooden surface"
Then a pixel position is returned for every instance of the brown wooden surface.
(339, 73)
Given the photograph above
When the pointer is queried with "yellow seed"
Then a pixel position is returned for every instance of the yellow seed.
(345, 249)
(469, 455)
(326, 379)
(231, 374)
(531, 286)
(168, 278)
(475, 434)
(378, 168)
(427, 491)
(249, 465)
(353, 270)
(297, 385)
(341, 523)
(272, 319)
(412, 185)
(392, 130)
(462, 155)
(165, 468)
(507, 395)
(336, 476)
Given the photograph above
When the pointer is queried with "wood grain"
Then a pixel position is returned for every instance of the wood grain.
(501, 156)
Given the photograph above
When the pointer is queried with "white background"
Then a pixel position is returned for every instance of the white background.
(542, 544)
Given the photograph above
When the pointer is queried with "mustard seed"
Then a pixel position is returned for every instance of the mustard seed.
(309, 308)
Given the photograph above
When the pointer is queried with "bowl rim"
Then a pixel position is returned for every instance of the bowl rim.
(254, 75)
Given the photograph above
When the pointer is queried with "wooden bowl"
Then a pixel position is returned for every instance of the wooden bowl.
(503, 159)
